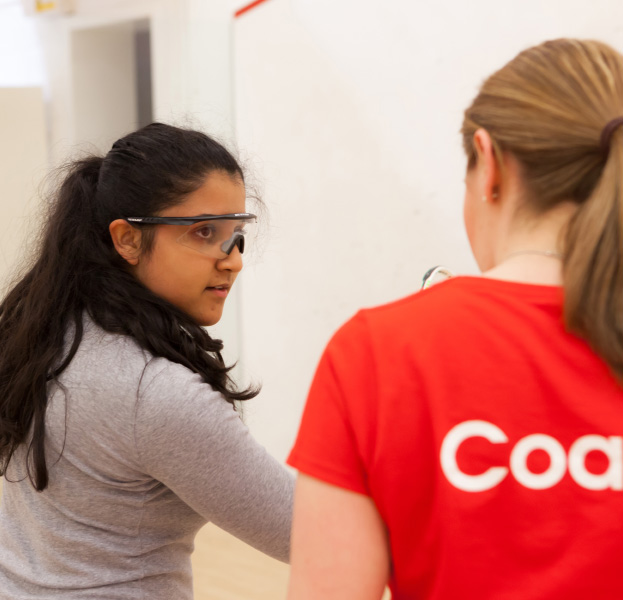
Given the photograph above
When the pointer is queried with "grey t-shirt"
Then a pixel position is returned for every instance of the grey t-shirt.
(150, 453)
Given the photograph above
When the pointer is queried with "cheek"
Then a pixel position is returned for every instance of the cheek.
(171, 273)
(153, 277)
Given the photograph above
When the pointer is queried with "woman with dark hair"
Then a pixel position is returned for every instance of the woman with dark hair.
(119, 436)
(467, 441)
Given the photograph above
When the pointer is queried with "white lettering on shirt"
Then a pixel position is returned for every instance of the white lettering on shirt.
(559, 460)
(456, 436)
(612, 447)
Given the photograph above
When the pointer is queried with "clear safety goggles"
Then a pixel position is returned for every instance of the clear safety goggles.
(212, 235)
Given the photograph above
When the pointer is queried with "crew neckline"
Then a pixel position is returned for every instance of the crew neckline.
(518, 288)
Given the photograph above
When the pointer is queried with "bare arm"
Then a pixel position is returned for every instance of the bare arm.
(340, 549)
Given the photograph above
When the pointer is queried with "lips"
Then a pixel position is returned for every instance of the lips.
(221, 286)
(219, 290)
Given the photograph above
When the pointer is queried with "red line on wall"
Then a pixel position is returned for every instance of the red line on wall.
(248, 7)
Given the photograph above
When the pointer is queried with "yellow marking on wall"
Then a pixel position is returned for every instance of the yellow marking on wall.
(44, 6)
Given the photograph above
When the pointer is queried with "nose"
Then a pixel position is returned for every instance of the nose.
(231, 262)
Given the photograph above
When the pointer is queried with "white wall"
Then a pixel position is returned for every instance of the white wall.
(351, 110)
(21, 63)
(23, 161)
(191, 61)
(23, 152)
(63, 39)
(104, 90)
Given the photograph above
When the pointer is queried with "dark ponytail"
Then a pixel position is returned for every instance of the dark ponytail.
(144, 173)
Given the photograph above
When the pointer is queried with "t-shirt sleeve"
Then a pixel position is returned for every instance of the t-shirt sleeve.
(336, 435)
(191, 439)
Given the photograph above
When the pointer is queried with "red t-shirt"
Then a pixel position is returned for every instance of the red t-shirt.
(488, 437)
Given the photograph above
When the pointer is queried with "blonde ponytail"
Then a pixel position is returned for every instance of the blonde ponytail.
(553, 108)
(593, 264)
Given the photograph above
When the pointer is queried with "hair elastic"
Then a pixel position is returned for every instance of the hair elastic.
(606, 134)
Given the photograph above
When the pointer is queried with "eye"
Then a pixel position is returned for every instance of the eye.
(205, 232)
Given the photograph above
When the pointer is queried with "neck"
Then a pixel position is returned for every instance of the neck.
(539, 267)
(548, 253)
(542, 233)
(530, 251)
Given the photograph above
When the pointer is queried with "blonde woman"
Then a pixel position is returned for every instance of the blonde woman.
(466, 442)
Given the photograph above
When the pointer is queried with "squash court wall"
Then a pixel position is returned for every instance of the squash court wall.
(347, 114)
(350, 111)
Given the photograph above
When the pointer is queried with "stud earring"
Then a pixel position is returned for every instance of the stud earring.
(484, 198)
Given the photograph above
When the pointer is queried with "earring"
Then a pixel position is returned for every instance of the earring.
(484, 198)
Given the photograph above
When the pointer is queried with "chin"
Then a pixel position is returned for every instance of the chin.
(206, 315)
(207, 321)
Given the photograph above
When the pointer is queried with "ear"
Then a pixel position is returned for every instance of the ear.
(487, 164)
(126, 239)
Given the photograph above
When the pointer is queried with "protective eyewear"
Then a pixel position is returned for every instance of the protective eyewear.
(212, 235)
(435, 275)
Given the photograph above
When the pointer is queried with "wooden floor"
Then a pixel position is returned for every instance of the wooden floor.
(227, 569)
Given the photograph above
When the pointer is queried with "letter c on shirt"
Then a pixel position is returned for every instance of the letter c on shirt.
(454, 438)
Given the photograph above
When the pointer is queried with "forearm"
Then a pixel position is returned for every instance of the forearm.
(340, 548)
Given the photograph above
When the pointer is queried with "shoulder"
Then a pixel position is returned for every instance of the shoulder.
(451, 293)
(427, 308)
(466, 302)
(165, 379)
(446, 317)
(171, 395)
(118, 366)
(105, 359)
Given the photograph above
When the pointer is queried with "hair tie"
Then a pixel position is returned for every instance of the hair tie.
(606, 134)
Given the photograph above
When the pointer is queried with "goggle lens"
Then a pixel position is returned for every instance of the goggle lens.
(218, 237)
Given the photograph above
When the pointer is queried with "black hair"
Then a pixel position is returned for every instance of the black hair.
(144, 173)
